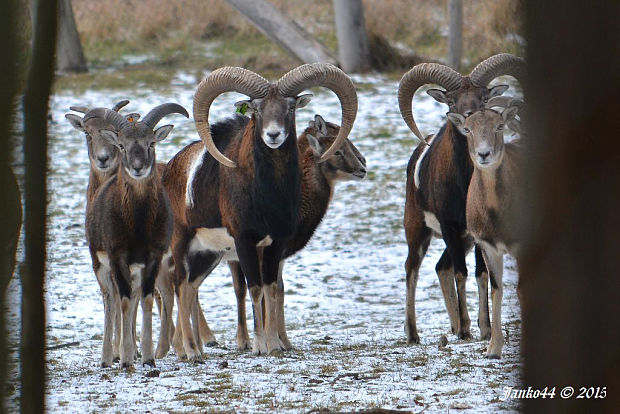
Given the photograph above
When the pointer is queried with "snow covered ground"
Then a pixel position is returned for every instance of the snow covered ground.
(345, 293)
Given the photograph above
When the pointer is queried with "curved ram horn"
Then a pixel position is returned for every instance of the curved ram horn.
(80, 109)
(226, 79)
(328, 76)
(504, 102)
(114, 118)
(84, 109)
(120, 104)
(156, 114)
(417, 77)
(95, 113)
(498, 65)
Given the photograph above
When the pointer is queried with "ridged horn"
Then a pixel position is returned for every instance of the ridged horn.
(417, 77)
(80, 109)
(95, 113)
(156, 114)
(328, 76)
(226, 79)
(84, 109)
(498, 65)
(114, 118)
(504, 102)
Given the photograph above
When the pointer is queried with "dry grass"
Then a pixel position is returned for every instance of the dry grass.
(416, 26)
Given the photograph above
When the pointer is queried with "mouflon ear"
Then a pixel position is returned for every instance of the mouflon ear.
(320, 124)
(457, 119)
(132, 117)
(303, 100)
(510, 113)
(438, 95)
(497, 90)
(315, 145)
(162, 132)
(75, 121)
(245, 107)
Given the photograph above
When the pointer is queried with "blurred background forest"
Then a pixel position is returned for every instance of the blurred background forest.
(196, 34)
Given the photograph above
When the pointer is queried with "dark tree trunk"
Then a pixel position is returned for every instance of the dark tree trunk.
(70, 56)
(36, 99)
(455, 34)
(568, 269)
(352, 37)
(10, 207)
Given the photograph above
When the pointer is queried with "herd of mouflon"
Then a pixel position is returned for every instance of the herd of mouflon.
(251, 193)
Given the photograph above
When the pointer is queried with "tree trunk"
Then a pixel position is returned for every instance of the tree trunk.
(283, 31)
(352, 38)
(70, 57)
(455, 35)
(569, 273)
(36, 99)
(10, 207)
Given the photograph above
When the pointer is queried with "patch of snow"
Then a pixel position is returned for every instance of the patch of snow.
(345, 292)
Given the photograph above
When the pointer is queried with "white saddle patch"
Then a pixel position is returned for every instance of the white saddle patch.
(416, 171)
(220, 241)
(193, 168)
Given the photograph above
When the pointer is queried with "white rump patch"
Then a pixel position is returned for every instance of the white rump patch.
(416, 171)
(193, 168)
(220, 241)
(432, 222)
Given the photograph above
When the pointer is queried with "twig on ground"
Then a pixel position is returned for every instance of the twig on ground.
(59, 346)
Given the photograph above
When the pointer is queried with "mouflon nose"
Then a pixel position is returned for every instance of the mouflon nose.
(273, 135)
(103, 158)
(484, 155)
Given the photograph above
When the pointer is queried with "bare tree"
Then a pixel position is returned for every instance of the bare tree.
(568, 270)
(283, 31)
(36, 97)
(455, 34)
(353, 49)
(70, 56)
(10, 208)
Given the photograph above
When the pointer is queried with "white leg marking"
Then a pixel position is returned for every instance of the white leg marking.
(259, 345)
(165, 288)
(286, 344)
(448, 289)
(271, 318)
(127, 339)
(109, 310)
(411, 327)
(146, 342)
(495, 264)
